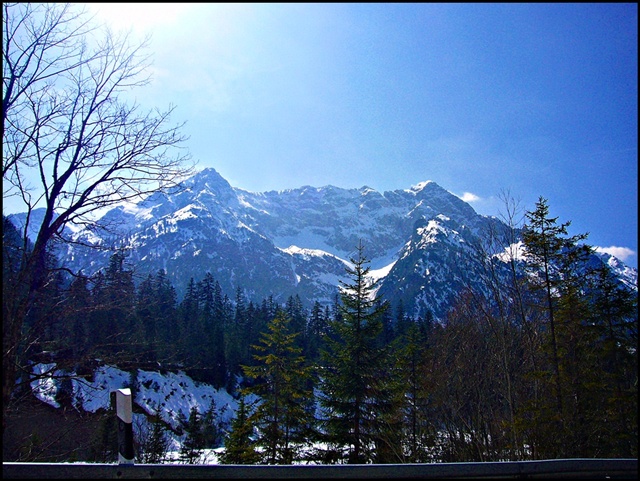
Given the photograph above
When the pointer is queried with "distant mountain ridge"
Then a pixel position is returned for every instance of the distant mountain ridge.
(298, 241)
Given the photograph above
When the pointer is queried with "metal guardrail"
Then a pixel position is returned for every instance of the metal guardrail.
(547, 469)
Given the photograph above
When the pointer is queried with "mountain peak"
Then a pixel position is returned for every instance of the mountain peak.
(210, 180)
(209, 174)
(421, 185)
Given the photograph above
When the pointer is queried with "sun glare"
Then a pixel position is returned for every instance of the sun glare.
(140, 17)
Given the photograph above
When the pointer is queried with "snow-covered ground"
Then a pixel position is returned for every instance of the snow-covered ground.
(170, 394)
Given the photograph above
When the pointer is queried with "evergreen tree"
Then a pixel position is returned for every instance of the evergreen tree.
(167, 306)
(237, 345)
(262, 317)
(191, 331)
(210, 346)
(416, 382)
(353, 374)
(284, 417)
(104, 443)
(295, 311)
(216, 332)
(547, 244)
(317, 330)
(152, 441)
(115, 303)
(147, 312)
(211, 428)
(239, 445)
(401, 321)
(250, 335)
(560, 268)
(97, 317)
(157, 329)
(193, 443)
(78, 306)
(615, 321)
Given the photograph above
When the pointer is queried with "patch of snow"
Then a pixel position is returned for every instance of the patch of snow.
(307, 239)
(184, 213)
(137, 211)
(368, 190)
(418, 187)
(512, 252)
(307, 254)
(97, 394)
(377, 274)
(244, 203)
(45, 388)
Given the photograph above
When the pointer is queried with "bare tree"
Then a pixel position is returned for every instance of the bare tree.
(70, 144)
(152, 439)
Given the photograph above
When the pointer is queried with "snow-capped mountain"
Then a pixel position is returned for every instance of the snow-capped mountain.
(420, 240)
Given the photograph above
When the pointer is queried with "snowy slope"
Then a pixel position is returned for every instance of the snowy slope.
(169, 394)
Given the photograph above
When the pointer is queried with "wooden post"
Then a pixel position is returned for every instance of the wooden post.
(125, 426)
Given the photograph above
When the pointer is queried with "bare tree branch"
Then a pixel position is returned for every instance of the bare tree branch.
(70, 144)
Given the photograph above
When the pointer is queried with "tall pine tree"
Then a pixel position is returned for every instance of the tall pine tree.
(354, 394)
(284, 416)
(546, 243)
(558, 269)
(193, 443)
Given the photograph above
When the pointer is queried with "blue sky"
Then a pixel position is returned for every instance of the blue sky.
(534, 99)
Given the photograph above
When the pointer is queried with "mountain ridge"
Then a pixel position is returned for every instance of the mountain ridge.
(419, 241)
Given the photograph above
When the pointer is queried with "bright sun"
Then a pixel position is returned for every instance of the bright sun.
(137, 16)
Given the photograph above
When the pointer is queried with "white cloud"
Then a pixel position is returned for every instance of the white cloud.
(622, 253)
(469, 197)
